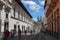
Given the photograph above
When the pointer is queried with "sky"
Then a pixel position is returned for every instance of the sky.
(34, 7)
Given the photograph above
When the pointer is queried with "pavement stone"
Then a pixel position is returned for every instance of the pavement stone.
(32, 37)
(25, 37)
(48, 37)
(39, 36)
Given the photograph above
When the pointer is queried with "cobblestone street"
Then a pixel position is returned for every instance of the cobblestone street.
(32, 37)
(39, 36)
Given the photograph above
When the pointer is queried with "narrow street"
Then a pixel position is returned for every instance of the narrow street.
(39, 36)
(30, 19)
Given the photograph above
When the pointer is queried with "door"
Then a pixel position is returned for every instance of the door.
(15, 28)
(6, 25)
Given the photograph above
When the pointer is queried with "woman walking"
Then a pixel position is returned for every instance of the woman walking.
(6, 34)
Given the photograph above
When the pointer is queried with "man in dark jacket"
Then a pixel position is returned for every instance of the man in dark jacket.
(31, 32)
(25, 32)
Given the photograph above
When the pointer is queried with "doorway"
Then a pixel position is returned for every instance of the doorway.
(15, 28)
(6, 25)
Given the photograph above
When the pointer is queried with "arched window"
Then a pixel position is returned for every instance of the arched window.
(18, 26)
(6, 15)
(14, 12)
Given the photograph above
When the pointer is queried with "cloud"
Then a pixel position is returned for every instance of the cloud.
(35, 7)
(41, 2)
(28, 2)
(35, 19)
(32, 5)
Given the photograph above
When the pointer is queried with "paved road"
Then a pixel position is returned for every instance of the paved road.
(39, 37)
(32, 37)
(25, 37)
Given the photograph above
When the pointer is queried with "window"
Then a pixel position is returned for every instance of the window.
(18, 15)
(57, 11)
(14, 12)
(15, 27)
(6, 15)
(18, 26)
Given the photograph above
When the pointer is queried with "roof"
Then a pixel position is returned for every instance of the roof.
(20, 3)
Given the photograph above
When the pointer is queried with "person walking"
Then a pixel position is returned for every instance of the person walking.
(3, 36)
(6, 34)
(12, 35)
(19, 33)
(25, 32)
(31, 32)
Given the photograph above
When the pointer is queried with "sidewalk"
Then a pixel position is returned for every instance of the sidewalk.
(48, 37)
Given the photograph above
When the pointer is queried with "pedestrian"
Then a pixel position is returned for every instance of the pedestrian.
(31, 32)
(3, 36)
(6, 34)
(12, 35)
(19, 33)
(25, 32)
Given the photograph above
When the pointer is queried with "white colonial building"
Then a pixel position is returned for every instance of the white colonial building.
(13, 15)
